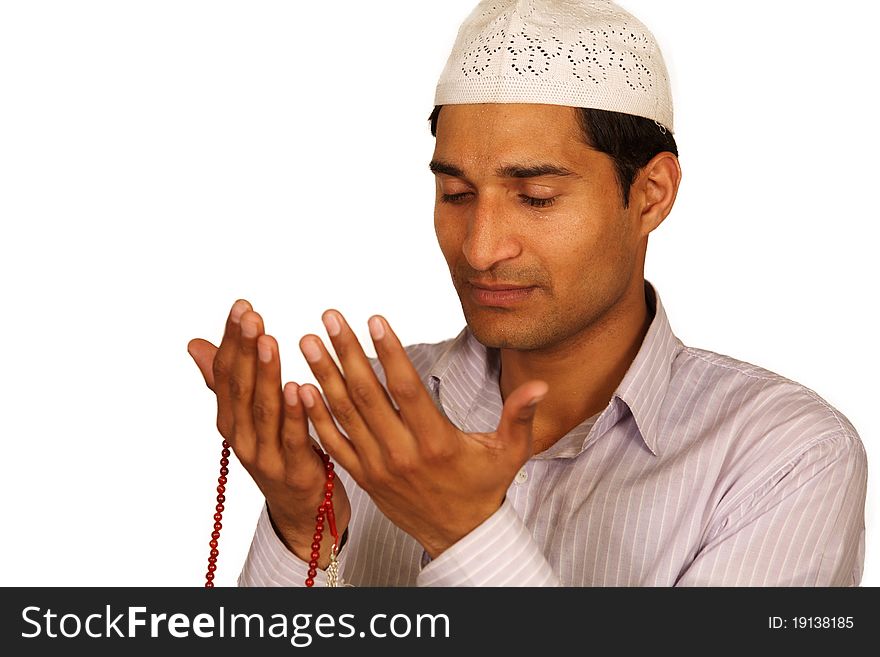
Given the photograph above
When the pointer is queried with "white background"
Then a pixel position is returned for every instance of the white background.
(160, 159)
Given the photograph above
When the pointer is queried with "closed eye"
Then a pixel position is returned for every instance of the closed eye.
(453, 198)
(528, 200)
(538, 202)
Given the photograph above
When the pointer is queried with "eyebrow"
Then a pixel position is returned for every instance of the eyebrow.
(532, 171)
(505, 171)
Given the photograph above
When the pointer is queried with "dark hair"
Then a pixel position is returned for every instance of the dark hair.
(631, 141)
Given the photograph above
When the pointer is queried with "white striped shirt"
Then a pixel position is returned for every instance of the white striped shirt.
(702, 470)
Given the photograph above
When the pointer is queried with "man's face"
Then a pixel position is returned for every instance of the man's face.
(523, 201)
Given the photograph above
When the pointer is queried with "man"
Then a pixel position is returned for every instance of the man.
(565, 436)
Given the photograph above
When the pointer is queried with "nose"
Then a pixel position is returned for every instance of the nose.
(490, 235)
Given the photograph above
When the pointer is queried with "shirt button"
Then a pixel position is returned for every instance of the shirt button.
(522, 476)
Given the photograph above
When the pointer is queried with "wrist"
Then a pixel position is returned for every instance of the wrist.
(295, 536)
(298, 537)
(437, 542)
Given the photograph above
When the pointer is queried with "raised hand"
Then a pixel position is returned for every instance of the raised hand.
(432, 480)
(268, 428)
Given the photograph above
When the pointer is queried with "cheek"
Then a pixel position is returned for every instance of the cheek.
(583, 252)
(447, 235)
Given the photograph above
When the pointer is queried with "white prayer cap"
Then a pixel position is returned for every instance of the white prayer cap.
(581, 53)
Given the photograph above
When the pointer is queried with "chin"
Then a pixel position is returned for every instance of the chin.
(499, 329)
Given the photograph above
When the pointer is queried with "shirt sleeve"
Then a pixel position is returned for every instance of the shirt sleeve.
(270, 563)
(498, 552)
(803, 527)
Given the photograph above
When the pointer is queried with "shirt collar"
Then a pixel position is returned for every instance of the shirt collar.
(646, 382)
(465, 377)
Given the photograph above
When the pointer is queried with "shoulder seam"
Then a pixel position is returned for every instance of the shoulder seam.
(772, 376)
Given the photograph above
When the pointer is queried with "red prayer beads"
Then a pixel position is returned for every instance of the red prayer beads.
(218, 516)
(325, 510)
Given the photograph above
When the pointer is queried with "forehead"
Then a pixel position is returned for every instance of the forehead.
(487, 134)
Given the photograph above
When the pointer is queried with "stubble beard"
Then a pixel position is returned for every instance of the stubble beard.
(517, 328)
(553, 329)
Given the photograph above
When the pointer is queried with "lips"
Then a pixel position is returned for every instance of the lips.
(499, 294)
(497, 286)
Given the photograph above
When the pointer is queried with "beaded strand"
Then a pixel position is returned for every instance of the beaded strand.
(325, 510)
(218, 516)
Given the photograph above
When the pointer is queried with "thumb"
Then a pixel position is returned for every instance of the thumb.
(202, 353)
(518, 413)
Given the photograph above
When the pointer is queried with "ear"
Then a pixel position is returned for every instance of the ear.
(655, 189)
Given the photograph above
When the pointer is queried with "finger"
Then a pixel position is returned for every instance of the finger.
(343, 408)
(243, 377)
(335, 444)
(224, 360)
(295, 439)
(518, 415)
(232, 333)
(202, 353)
(267, 406)
(368, 394)
(417, 409)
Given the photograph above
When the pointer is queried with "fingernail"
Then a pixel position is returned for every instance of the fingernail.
(238, 309)
(264, 351)
(538, 397)
(307, 397)
(311, 351)
(290, 395)
(332, 324)
(535, 400)
(249, 329)
(377, 330)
